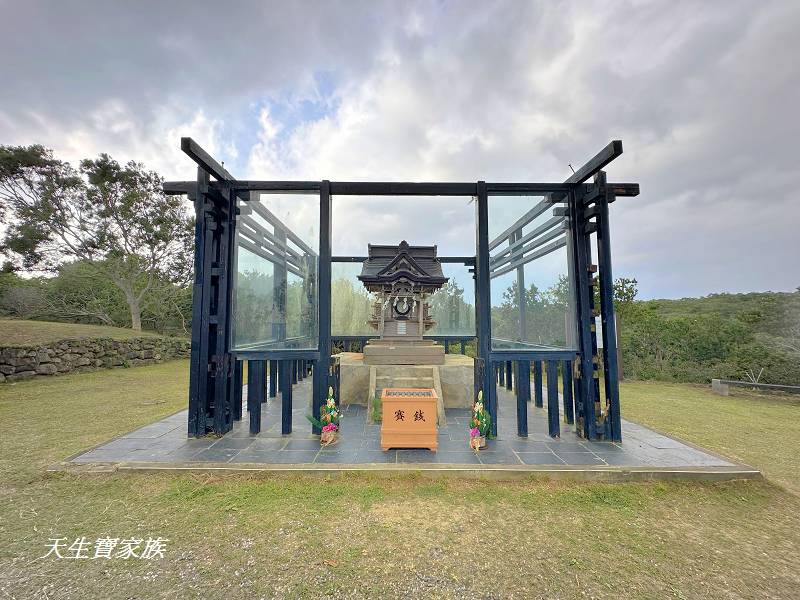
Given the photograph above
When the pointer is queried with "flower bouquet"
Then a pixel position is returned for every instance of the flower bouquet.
(480, 424)
(328, 421)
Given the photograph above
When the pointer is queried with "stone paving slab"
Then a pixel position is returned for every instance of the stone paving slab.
(164, 443)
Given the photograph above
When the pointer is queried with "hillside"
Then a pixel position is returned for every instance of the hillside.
(720, 335)
(18, 332)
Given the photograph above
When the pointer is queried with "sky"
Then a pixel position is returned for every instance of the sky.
(703, 94)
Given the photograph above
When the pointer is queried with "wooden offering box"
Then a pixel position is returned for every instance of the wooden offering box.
(409, 418)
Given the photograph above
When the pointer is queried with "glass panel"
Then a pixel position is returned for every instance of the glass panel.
(350, 302)
(277, 261)
(530, 287)
(453, 306)
(448, 222)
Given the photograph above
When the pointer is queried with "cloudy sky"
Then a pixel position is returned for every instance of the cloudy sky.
(704, 96)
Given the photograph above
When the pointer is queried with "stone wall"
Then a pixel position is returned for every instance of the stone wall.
(87, 355)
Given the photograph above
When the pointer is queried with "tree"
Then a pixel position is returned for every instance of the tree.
(115, 218)
(625, 291)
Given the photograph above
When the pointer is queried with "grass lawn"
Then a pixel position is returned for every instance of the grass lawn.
(16, 332)
(248, 536)
(761, 430)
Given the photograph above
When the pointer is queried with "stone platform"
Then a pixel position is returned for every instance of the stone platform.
(643, 455)
(453, 380)
(398, 351)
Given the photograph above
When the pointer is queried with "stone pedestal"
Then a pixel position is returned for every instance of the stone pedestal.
(454, 378)
(388, 351)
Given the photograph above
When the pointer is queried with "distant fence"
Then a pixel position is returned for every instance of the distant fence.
(722, 387)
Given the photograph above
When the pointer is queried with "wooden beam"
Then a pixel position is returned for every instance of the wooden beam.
(559, 243)
(266, 255)
(537, 384)
(267, 214)
(178, 188)
(558, 190)
(289, 187)
(597, 162)
(521, 222)
(520, 241)
(262, 231)
(401, 188)
(623, 189)
(204, 160)
(517, 258)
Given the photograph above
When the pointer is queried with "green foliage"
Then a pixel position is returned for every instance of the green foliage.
(720, 336)
(76, 294)
(115, 219)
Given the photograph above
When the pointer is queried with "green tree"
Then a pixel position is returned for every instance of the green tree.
(115, 218)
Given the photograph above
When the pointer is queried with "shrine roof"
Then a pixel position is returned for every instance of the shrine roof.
(388, 263)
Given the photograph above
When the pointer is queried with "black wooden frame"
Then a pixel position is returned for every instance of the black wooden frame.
(215, 370)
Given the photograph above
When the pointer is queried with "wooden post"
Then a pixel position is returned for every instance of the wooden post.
(255, 393)
(286, 396)
(553, 426)
(483, 301)
(198, 364)
(537, 384)
(321, 368)
(566, 387)
(606, 281)
(523, 396)
(509, 378)
(273, 378)
(236, 392)
(585, 399)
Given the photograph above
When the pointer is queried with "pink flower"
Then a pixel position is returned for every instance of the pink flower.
(330, 427)
(474, 432)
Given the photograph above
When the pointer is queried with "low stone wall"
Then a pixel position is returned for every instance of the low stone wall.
(67, 356)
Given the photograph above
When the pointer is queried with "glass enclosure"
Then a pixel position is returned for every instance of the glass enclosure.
(530, 283)
(447, 222)
(277, 262)
(452, 307)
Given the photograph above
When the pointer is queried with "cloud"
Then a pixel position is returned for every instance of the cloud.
(704, 100)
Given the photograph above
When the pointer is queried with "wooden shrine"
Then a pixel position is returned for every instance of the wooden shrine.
(402, 278)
